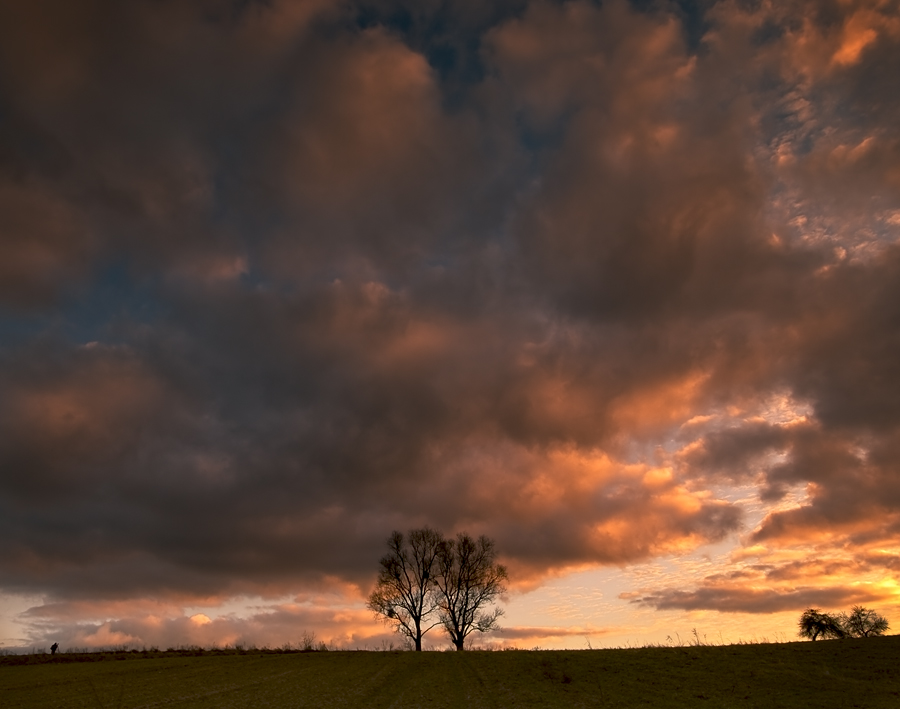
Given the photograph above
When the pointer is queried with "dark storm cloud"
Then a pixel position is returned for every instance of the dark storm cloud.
(735, 453)
(530, 271)
(318, 428)
(649, 173)
(752, 600)
(133, 122)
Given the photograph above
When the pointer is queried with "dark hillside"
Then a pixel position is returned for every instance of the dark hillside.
(837, 673)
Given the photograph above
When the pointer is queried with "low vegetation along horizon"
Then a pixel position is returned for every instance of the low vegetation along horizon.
(851, 672)
(428, 582)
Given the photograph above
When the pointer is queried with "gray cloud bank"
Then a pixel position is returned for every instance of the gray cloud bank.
(277, 278)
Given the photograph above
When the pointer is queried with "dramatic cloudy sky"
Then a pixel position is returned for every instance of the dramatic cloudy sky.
(615, 283)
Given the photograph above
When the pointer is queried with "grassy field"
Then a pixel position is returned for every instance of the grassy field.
(837, 673)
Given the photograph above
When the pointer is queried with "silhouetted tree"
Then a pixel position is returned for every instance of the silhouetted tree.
(863, 623)
(814, 623)
(466, 582)
(404, 594)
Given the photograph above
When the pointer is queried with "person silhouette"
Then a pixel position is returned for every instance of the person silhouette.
(53, 648)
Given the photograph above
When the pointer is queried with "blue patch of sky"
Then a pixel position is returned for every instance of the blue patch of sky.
(768, 33)
(449, 41)
(453, 47)
(97, 312)
(692, 14)
(538, 138)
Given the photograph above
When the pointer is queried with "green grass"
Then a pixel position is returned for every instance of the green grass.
(837, 673)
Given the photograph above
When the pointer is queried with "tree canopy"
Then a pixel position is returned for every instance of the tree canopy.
(863, 623)
(814, 624)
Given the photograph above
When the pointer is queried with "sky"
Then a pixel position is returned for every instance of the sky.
(614, 283)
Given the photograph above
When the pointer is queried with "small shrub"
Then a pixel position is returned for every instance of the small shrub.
(308, 641)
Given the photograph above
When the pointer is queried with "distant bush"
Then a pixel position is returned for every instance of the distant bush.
(814, 624)
(859, 623)
(308, 643)
(863, 623)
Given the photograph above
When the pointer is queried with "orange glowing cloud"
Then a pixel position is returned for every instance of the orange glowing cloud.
(821, 47)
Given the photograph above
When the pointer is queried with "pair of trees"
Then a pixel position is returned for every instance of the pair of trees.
(859, 623)
(426, 580)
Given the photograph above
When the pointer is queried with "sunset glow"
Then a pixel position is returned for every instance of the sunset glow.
(614, 283)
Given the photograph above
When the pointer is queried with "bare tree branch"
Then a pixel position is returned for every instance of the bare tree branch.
(403, 594)
(468, 581)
